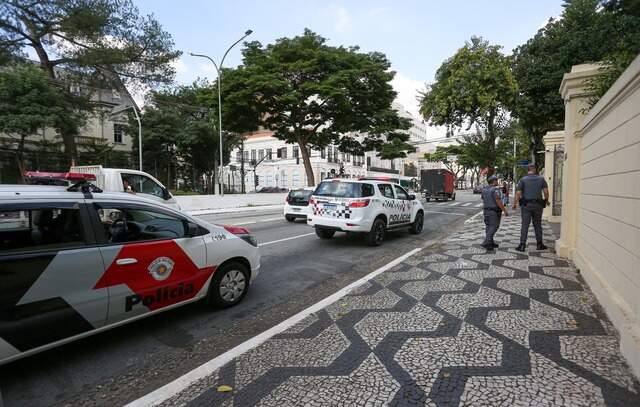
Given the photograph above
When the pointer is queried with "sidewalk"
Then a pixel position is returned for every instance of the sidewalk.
(451, 325)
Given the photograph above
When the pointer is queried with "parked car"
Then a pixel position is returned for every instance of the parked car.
(296, 204)
(272, 190)
(478, 189)
(371, 206)
(75, 261)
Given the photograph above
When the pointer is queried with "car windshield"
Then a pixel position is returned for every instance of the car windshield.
(300, 194)
(339, 189)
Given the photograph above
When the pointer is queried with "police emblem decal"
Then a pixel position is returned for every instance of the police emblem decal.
(161, 268)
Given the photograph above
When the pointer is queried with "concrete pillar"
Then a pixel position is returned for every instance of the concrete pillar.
(551, 140)
(575, 93)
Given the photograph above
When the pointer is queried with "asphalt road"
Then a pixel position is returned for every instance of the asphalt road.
(298, 269)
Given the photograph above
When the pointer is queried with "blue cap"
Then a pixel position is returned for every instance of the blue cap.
(492, 178)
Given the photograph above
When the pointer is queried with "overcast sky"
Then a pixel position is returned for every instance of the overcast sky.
(415, 35)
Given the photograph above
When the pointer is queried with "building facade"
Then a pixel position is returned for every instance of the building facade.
(102, 130)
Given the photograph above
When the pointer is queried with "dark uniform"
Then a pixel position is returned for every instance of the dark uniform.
(492, 213)
(532, 204)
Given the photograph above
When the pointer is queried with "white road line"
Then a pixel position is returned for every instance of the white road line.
(478, 205)
(163, 393)
(471, 219)
(251, 222)
(466, 204)
(285, 239)
(455, 203)
(448, 213)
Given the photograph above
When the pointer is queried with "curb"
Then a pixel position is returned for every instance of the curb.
(200, 212)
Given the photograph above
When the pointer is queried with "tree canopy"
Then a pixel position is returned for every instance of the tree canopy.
(314, 95)
(583, 33)
(474, 87)
(29, 102)
(94, 42)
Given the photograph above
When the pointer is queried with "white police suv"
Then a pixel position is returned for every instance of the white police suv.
(76, 261)
(367, 205)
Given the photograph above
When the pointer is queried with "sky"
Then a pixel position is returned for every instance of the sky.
(416, 36)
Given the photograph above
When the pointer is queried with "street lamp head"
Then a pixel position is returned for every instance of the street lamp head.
(248, 32)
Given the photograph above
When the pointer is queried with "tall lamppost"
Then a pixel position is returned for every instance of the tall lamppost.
(219, 70)
(135, 111)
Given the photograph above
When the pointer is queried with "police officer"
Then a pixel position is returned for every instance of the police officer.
(493, 208)
(529, 195)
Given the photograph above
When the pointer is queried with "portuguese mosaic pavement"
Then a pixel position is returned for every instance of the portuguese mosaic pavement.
(450, 326)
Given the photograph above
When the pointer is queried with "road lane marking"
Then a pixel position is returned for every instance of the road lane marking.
(448, 213)
(478, 205)
(454, 203)
(471, 219)
(285, 239)
(168, 390)
(466, 204)
(251, 222)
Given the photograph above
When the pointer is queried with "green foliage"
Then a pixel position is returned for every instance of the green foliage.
(475, 87)
(582, 34)
(505, 158)
(29, 102)
(314, 95)
(96, 42)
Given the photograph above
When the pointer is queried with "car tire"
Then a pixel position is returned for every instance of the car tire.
(290, 218)
(445, 198)
(418, 223)
(229, 285)
(325, 233)
(428, 199)
(378, 232)
(453, 198)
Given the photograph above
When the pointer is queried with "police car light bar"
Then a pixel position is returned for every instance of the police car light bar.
(376, 179)
(68, 176)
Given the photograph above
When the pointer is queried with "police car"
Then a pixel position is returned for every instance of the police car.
(296, 204)
(367, 205)
(76, 261)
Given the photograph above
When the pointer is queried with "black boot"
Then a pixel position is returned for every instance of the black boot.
(495, 245)
(541, 246)
(521, 247)
(487, 246)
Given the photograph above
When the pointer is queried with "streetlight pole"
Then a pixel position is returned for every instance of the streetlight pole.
(219, 71)
(135, 111)
(514, 167)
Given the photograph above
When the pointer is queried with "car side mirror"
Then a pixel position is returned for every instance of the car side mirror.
(412, 197)
(166, 195)
(192, 229)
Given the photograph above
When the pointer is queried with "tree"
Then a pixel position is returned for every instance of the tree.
(475, 87)
(29, 102)
(506, 160)
(584, 33)
(313, 95)
(95, 42)
(443, 155)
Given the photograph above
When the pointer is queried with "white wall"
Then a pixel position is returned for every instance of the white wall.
(607, 248)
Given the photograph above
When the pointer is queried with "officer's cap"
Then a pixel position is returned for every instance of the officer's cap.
(492, 178)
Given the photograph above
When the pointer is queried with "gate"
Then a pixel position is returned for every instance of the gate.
(558, 164)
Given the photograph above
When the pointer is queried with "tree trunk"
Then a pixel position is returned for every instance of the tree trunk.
(311, 181)
(20, 158)
(491, 144)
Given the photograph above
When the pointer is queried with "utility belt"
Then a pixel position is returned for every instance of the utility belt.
(498, 210)
(524, 202)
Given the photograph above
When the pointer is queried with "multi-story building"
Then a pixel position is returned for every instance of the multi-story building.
(280, 164)
(105, 127)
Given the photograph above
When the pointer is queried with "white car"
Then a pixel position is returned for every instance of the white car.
(296, 204)
(75, 261)
(366, 205)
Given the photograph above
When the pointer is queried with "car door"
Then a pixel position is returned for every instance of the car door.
(403, 206)
(152, 259)
(49, 263)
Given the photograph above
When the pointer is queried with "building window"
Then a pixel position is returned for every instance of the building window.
(260, 154)
(348, 157)
(322, 153)
(269, 154)
(322, 176)
(296, 152)
(253, 155)
(295, 178)
(238, 156)
(246, 155)
(118, 133)
(284, 153)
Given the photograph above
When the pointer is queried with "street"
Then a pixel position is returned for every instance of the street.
(298, 269)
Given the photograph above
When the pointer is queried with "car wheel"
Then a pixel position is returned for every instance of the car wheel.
(378, 232)
(325, 233)
(229, 285)
(416, 226)
(290, 218)
(454, 197)
(445, 198)
(428, 199)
